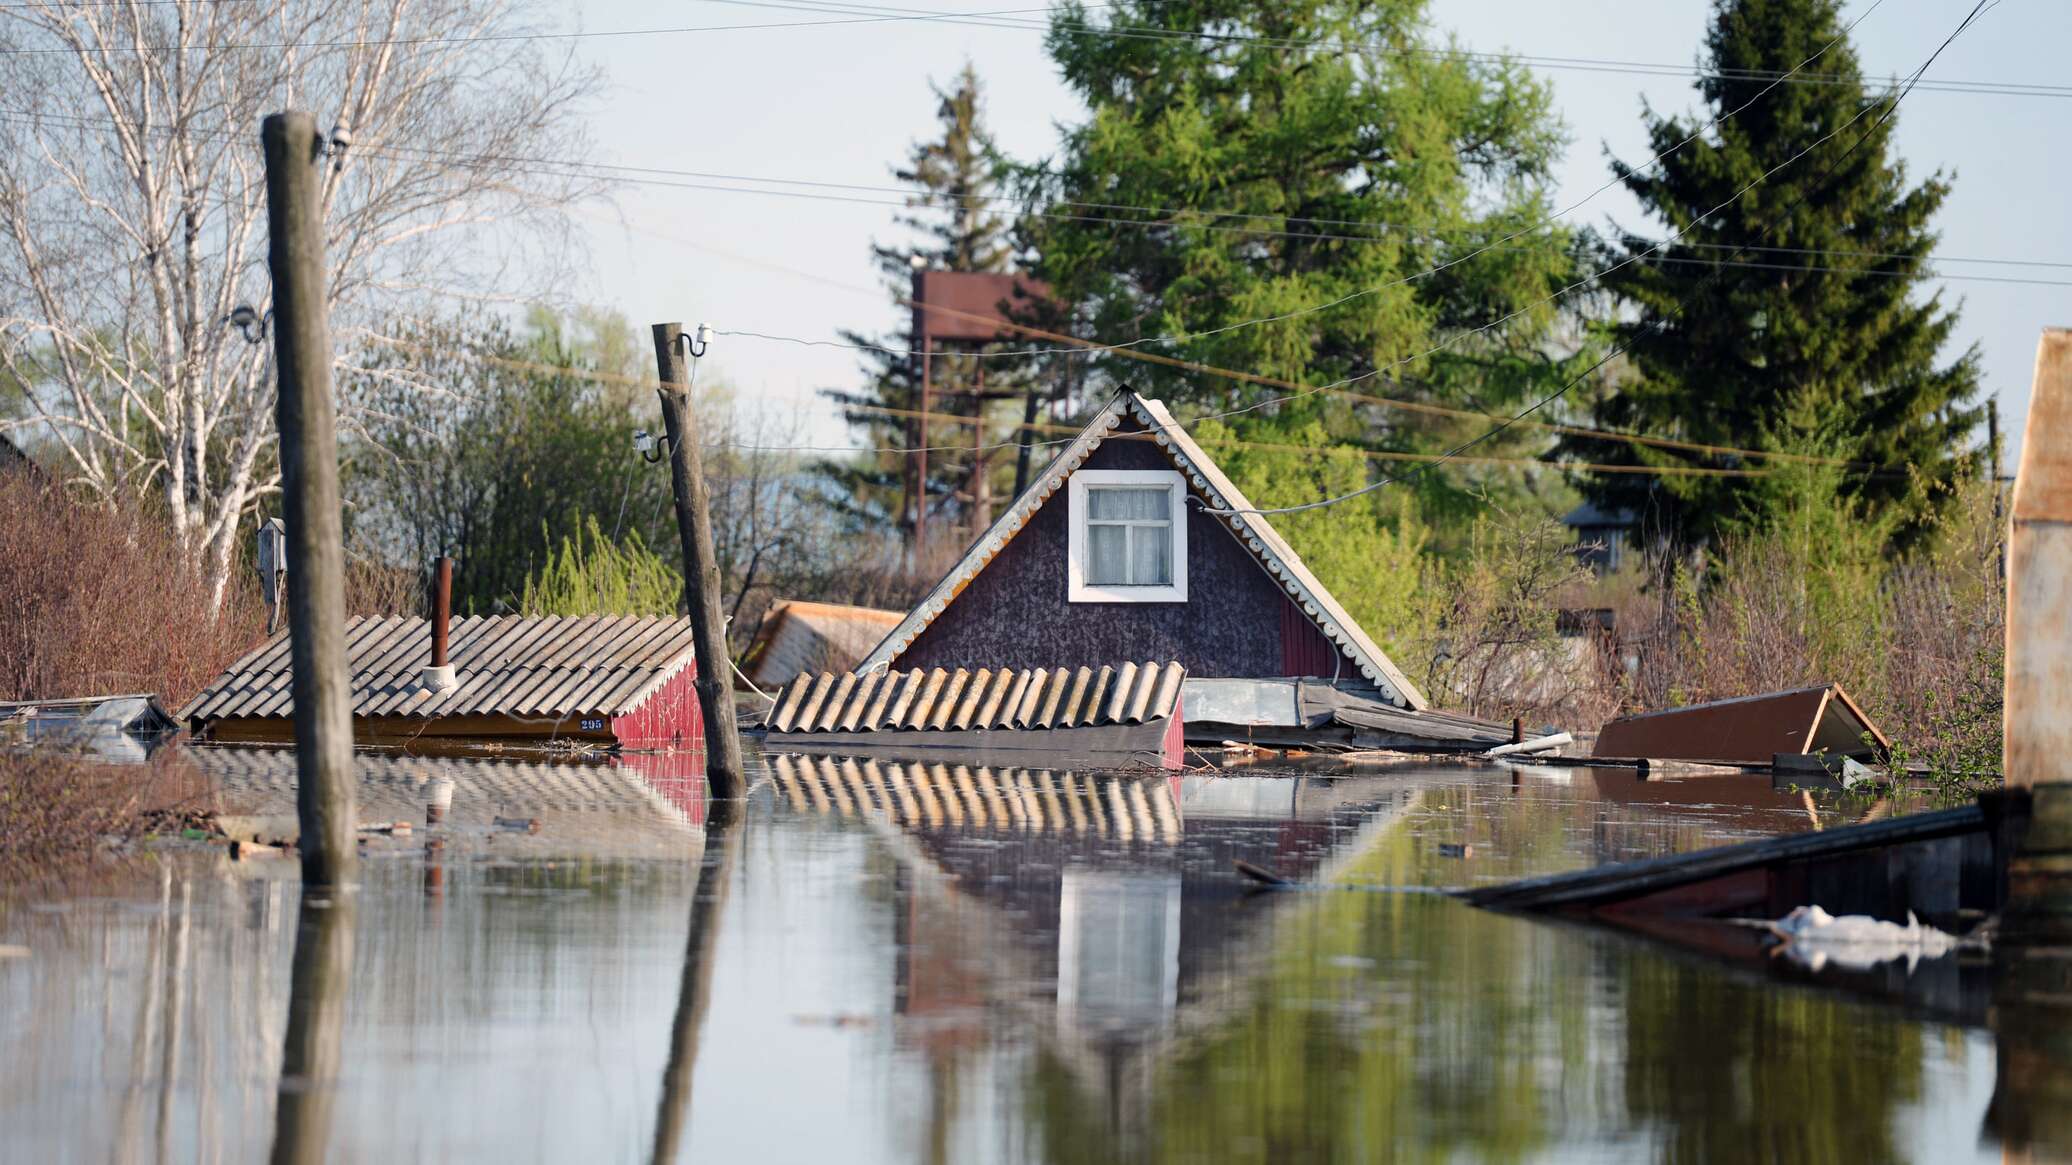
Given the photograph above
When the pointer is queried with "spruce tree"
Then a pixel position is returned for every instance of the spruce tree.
(1304, 189)
(1795, 318)
(953, 217)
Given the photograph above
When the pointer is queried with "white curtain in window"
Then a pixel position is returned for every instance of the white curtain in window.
(1129, 537)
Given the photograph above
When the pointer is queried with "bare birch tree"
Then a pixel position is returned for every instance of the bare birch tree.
(133, 216)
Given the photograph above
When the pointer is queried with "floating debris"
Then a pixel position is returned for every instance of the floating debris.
(1858, 942)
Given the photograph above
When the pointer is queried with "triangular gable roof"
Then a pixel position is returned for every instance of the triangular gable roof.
(1206, 482)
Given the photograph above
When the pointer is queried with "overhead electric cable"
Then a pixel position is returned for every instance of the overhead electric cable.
(1022, 22)
(602, 376)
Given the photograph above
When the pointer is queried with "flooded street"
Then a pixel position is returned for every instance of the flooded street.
(920, 963)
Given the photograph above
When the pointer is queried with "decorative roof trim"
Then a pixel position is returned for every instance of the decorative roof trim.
(1207, 482)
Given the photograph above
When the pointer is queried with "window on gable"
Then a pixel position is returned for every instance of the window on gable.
(1128, 537)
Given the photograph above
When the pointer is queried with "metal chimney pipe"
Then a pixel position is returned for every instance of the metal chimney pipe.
(440, 677)
(442, 607)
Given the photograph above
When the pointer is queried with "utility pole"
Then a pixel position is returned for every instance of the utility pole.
(1993, 482)
(309, 485)
(921, 453)
(724, 774)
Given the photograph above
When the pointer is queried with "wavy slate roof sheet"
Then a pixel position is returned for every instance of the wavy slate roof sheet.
(506, 664)
(799, 636)
(987, 698)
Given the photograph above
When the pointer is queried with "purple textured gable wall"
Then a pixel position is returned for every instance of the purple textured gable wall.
(1014, 614)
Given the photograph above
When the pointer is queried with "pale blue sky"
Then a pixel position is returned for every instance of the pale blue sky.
(841, 103)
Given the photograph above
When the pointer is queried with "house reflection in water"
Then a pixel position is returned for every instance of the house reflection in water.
(1083, 904)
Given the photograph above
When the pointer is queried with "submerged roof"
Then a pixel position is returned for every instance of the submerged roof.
(798, 636)
(550, 666)
(988, 698)
(1207, 483)
(1748, 729)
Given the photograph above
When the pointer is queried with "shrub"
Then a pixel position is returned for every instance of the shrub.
(589, 575)
(96, 599)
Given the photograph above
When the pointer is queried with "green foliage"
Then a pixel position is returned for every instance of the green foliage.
(1822, 342)
(476, 442)
(590, 575)
(1313, 189)
(1369, 551)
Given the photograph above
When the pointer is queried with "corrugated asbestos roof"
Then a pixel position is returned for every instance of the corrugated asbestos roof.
(798, 636)
(507, 665)
(1251, 528)
(986, 698)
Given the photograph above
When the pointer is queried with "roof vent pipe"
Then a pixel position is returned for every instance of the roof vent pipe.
(439, 677)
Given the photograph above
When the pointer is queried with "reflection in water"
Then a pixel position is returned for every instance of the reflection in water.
(922, 962)
(318, 987)
(694, 993)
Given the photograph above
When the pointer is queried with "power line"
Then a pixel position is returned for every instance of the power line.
(1360, 48)
(502, 37)
(1391, 455)
(1007, 18)
(1431, 235)
(559, 169)
(1656, 325)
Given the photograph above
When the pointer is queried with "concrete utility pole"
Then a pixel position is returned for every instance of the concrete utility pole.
(309, 485)
(724, 773)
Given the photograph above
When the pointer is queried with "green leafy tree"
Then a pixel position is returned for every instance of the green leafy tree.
(1827, 339)
(958, 174)
(1370, 551)
(491, 445)
(1266, 200)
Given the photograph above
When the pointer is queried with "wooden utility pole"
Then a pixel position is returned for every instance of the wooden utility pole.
(309, 485)
(724, 773)
(921, 463)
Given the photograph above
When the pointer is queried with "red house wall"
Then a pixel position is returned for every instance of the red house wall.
(667, 719)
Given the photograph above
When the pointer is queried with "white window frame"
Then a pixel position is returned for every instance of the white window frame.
(1078, 590)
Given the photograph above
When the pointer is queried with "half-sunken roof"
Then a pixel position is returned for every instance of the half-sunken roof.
(599, 665)
(1208, 483)
(798, 636)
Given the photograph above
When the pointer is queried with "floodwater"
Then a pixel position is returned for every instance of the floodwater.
(883, 962)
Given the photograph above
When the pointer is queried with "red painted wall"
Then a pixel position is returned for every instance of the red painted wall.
(667, 719)
(1305, 651)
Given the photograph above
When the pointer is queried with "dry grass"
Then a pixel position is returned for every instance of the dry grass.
(1916, 639)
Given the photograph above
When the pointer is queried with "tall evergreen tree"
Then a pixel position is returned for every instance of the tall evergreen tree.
(958, 175)
(1825, 341)
(1304, 210)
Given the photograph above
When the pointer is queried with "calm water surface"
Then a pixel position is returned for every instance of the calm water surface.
(913, 963)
